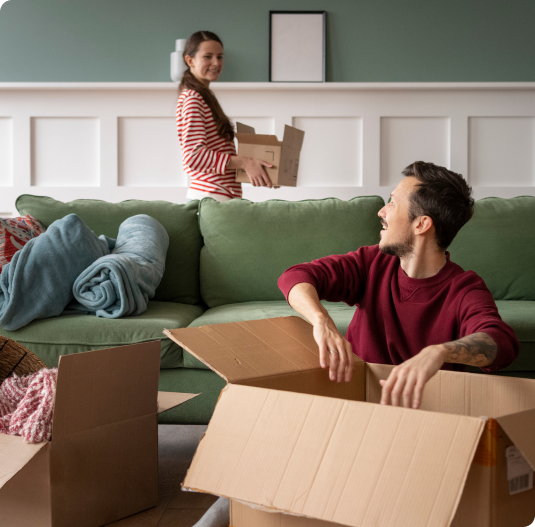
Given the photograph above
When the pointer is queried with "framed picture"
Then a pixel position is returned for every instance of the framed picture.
(297, 46)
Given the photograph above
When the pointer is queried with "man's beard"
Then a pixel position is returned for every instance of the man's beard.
(400, 249)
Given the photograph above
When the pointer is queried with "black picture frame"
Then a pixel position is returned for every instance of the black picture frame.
(323, 14)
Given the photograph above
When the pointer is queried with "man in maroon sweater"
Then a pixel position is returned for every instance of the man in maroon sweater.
(415, 308)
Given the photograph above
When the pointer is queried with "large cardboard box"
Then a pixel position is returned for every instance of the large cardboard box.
(101, 464)
(292, 449)
(283, 155)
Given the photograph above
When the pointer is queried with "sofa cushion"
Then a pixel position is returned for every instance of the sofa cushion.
(180, 282)
(247, 246)
(520, 315)
(198, 410)
(68, 334)
(340, 313)
(498, 243)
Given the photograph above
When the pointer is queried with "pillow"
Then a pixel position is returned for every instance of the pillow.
(15, 233)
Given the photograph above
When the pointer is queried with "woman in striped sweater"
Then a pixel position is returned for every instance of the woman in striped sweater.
(205, 132)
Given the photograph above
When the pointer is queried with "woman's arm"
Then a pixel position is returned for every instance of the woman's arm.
(192, 131)
(254, 169)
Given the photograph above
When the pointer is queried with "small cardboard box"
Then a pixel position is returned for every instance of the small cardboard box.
(101, 464)
(284, 156)
(292, 449)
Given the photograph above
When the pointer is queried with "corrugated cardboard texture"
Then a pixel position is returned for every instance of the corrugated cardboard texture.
(517, 510)
(101, 387)
(269, 153)
(244, 129)
(244, 516)
(239, 351)
(474, 509)
(283, 155)
(25, 499)
(314, 456)
(375, 373)
(168, 400)
(316, 382)
(104, 474)
(464, 393)
(520, 428)
(257, 139)
(14, 454)
(293, 138)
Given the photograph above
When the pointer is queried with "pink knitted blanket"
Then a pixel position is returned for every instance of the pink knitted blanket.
(27, 405)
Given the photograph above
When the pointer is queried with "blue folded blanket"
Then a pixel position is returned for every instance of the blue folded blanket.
(121, 283)
(38, 281)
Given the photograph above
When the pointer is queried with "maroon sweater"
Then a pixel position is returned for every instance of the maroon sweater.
(398, 316)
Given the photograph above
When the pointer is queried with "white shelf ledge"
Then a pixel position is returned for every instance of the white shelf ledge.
(274, 86)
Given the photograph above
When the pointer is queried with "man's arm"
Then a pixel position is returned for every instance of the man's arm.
(405, 384)
(478, 350)
(335, 351)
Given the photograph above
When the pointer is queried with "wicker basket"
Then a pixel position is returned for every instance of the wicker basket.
(18, 359)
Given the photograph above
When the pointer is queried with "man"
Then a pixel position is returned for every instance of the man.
(415, 308)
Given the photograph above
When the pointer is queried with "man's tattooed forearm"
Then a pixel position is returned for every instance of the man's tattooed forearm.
(478, 349)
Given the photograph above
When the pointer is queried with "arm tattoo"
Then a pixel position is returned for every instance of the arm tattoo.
(478, 349)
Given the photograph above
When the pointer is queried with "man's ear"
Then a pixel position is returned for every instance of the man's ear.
(423, 224)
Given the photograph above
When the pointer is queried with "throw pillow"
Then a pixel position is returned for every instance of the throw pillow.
(15, 233)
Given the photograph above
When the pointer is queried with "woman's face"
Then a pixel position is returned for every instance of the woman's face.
(207, 63)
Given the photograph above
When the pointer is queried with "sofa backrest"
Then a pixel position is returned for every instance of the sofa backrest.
(180, 282)
(247, 245)
(498, 243)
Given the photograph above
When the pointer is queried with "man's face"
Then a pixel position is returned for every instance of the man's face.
(397, 237)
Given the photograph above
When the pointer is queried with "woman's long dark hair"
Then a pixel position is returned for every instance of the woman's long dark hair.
(189, 82)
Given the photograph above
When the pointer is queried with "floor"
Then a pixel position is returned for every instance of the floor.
(176, 446)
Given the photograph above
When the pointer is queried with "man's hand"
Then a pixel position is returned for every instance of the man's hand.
(405, 384)
(335, 351)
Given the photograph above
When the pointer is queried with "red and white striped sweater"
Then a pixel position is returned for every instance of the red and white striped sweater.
(205, 153)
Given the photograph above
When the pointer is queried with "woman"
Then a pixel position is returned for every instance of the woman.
(205, 132)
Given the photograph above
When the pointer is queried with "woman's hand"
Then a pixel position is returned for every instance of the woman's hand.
(254, 168)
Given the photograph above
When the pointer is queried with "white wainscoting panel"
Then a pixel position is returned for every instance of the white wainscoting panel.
(150, 153)
(332, 151)
(118, 141)
(65, 152)
(6, 152)
(502, 151)
(408, 139)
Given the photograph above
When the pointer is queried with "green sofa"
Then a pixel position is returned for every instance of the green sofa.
(224, 260)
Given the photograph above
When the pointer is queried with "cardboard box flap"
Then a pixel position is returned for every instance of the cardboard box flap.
(293, 138)
(100, 387)
(15, 454)
(347, 462)
(257, 139)
(244, 129)
(238, 351)
(168, 400)
(520, 428)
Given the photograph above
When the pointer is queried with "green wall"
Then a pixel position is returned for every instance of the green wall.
(367, 40)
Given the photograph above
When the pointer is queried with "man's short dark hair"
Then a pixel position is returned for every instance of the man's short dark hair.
(442, 195)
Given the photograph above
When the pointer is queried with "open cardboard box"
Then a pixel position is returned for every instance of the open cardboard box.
(283, 155)
(101, 464)
(292, 449)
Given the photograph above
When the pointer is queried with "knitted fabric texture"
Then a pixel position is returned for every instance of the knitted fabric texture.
(27, 405)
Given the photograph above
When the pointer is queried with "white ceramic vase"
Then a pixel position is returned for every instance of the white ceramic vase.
(178, 67)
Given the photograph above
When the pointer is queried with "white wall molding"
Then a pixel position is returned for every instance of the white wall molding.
(117, 141)
(275, 86)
